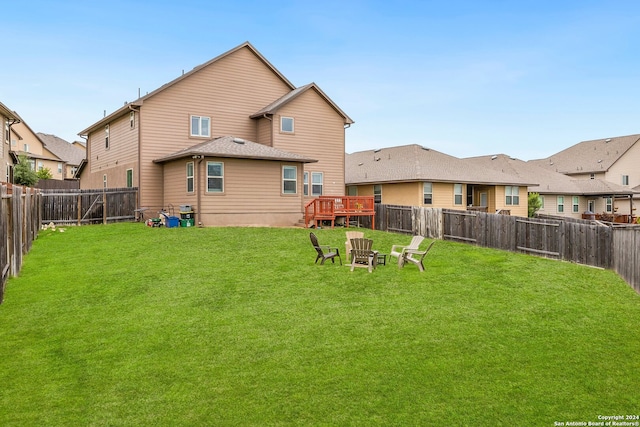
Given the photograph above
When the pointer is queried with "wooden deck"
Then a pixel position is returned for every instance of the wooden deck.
(329, 208)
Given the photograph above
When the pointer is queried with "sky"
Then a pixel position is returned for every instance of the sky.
(467, 78)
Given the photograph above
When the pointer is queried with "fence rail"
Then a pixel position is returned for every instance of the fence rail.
(74, 206)
(581, 241)
(20, 217)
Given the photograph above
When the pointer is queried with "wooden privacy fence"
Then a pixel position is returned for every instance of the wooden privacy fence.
(580, 241)
(89, 206)
(19, 225)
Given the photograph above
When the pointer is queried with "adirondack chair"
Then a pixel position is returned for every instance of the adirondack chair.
(398, 250)
(325, 252)
(347, 243)
(362, 255)
(415, 257)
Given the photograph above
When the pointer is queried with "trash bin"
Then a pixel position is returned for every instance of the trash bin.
(170, 220)
(187, 218)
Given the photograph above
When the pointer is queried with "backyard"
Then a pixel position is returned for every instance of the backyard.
(125, 324)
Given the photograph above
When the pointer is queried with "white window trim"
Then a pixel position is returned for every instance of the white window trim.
(190, 177)
(560, 204)
(512, 195)
(377, 193)
(456, 194)
(293, 124)
(306, 184)
(129, 171)
(199, 130)
(575, 204)
(425, 192)
(314, 183)
(294, 180)
(221, 177)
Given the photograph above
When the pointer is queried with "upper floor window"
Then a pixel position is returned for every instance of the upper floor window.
(427, 193)
(575, 205)
(286, 124)
(377, 193)
(512, 195)
(132, 119)
(215, 177)
(106, 136)
(457, 194)
(190, 177)
(200, 126)
(289, 179)
(25, 147)
(317, 182)
(625, 179)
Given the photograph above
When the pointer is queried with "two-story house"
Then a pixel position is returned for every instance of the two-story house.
(9, 118)
(233, 138)
(24, 141)
(71, 154)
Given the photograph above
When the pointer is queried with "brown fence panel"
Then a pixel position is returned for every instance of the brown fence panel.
(89, 206)
(626, 255)
(542, 237)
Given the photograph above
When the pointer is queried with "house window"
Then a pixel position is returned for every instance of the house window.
(560, 204)
(132, 119)
(104, 180)
(306, 183)
(377, 193)
(32, 164)
(25, 147)
(592, 176)
(625, 179)
(457, 194)
(317, 180)
(289, 179)
(427, 193)
(14, 143)
(190, 177)
(576, 204)
(106, 136)
(40, 166)
(591, 206)
(59, 167)
(352, 190)
(609, 204)
(541, 202)
(215, 177)
(286, 124)
(200, 126)
(512, 195)
(129, 178)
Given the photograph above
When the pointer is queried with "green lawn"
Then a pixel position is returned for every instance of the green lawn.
(129, 325)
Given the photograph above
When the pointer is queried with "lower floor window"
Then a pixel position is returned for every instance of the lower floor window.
(215, 177)
(560, 204)
(427, 193)
(512, 195)
(316, 183)
(129, 178)
(289, 179)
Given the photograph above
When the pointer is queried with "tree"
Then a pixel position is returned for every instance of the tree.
(535, 203)
(23, 174)
(44, 173)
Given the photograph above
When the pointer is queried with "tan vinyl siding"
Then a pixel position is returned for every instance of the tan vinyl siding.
(319, 134)
(264, 134)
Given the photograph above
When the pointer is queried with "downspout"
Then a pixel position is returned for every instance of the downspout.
(137, 110)
(198, 186)
(10, 123)
(264, 116)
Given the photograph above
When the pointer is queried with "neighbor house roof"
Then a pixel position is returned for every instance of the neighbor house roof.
(593, 156)
(549, 182)
(231, 147)
(127, 107)
(417, 163)
(61, 148)
(284, 100)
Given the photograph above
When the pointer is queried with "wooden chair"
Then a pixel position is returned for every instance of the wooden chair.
(415, 257)
(324, 252)
(362, 255)
(352, 235)
(398, 250)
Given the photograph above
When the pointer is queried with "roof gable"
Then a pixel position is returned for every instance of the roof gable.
(61, 148)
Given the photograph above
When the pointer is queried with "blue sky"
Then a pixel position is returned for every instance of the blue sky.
(467, 78)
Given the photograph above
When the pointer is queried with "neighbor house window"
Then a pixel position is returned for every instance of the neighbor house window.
(40, 166)
(190, 177)
(560, 204)
(286, 124)
(106, 136)
(427, 193)
(104, 180)
(200, 126)
(215, 177)
(306, 183)
(14, 143)
(289, 179)
(591, 206)
(512, 195)
(541, 202)
(129, 178)
(457, 194)
(25, 147)
(377, 193)
(59, 167)
(317, 180)
(575, 206)
(132, 120)
(609, 204)
(352, 190)
(625, 179)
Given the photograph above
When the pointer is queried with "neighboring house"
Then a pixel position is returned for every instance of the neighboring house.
(614, 160)
(417, 176)
(24, 141)
(70, 154)
(237, 95)
(561, 194)
(9, 119)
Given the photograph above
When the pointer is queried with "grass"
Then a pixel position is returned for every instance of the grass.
(130, 325)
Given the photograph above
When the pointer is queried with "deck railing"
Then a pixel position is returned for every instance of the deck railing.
(328, 208)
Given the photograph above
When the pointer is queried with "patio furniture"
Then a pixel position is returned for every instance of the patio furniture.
(362, 255)
(351, 235)
(398, 250)
(415, 257)
(325, 252)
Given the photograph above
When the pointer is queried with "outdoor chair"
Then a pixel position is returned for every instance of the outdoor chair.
(415, 257)
(362, 255)
(352, 235)
(398, 250)
(324, 252)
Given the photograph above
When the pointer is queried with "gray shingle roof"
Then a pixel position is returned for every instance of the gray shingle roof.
(417, 163)
(64, 150)
(593, 156)
(231, 147)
